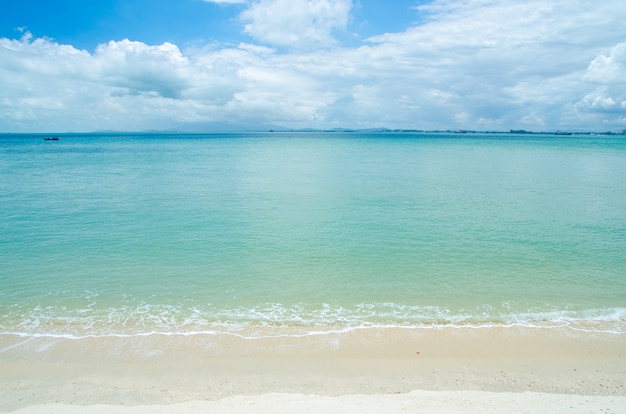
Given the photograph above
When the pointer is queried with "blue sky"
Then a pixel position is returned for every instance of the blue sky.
(87, 24)
(252, 64)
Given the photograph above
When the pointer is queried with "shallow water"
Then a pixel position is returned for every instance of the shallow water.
(129, 234)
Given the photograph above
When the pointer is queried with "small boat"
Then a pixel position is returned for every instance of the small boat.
(51, 139)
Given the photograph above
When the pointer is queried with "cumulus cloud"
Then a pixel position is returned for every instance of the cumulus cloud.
(505, 61)
(608, 73)
(123, 85)
(296, 23)
(138, 68)
(608, 69)
(493, 64)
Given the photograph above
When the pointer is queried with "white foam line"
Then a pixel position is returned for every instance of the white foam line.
(29, 339)
(309, 333)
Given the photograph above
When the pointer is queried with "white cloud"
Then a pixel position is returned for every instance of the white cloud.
(608, 69)
(479, 64)
(139, 68)
(123, 85)
(296, 23)
(609, 98)
(506, 61)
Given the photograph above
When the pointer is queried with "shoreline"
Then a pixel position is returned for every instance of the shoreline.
(155, 369)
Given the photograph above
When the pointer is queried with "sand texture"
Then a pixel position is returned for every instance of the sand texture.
(390, 370)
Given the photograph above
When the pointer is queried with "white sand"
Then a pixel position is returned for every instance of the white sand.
(449, 402)
(491, 370)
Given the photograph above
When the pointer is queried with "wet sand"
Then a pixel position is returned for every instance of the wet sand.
(365, 370)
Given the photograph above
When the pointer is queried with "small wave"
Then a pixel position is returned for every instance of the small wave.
(277, 320)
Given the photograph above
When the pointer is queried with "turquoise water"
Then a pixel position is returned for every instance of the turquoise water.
(132, 234)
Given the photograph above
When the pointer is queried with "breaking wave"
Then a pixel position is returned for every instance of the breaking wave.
(275, 319)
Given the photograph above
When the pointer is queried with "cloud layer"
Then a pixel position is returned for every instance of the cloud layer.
(487, 64)
(304, 24)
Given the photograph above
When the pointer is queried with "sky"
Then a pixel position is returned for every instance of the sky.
(204, 65)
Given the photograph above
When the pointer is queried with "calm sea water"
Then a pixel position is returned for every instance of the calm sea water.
(132, 234)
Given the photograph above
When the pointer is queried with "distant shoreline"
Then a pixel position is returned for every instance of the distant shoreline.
(334, 130)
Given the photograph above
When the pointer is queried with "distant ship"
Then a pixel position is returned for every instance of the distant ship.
(51, 139)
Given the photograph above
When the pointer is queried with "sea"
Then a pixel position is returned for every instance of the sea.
(271, 233)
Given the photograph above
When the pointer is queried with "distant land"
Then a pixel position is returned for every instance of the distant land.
(382, 129)
(332, 130)
(449, 131)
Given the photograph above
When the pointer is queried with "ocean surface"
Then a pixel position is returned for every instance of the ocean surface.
(114, 234)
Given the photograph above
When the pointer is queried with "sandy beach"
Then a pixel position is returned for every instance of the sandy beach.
(336, 271)
(511, 369)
